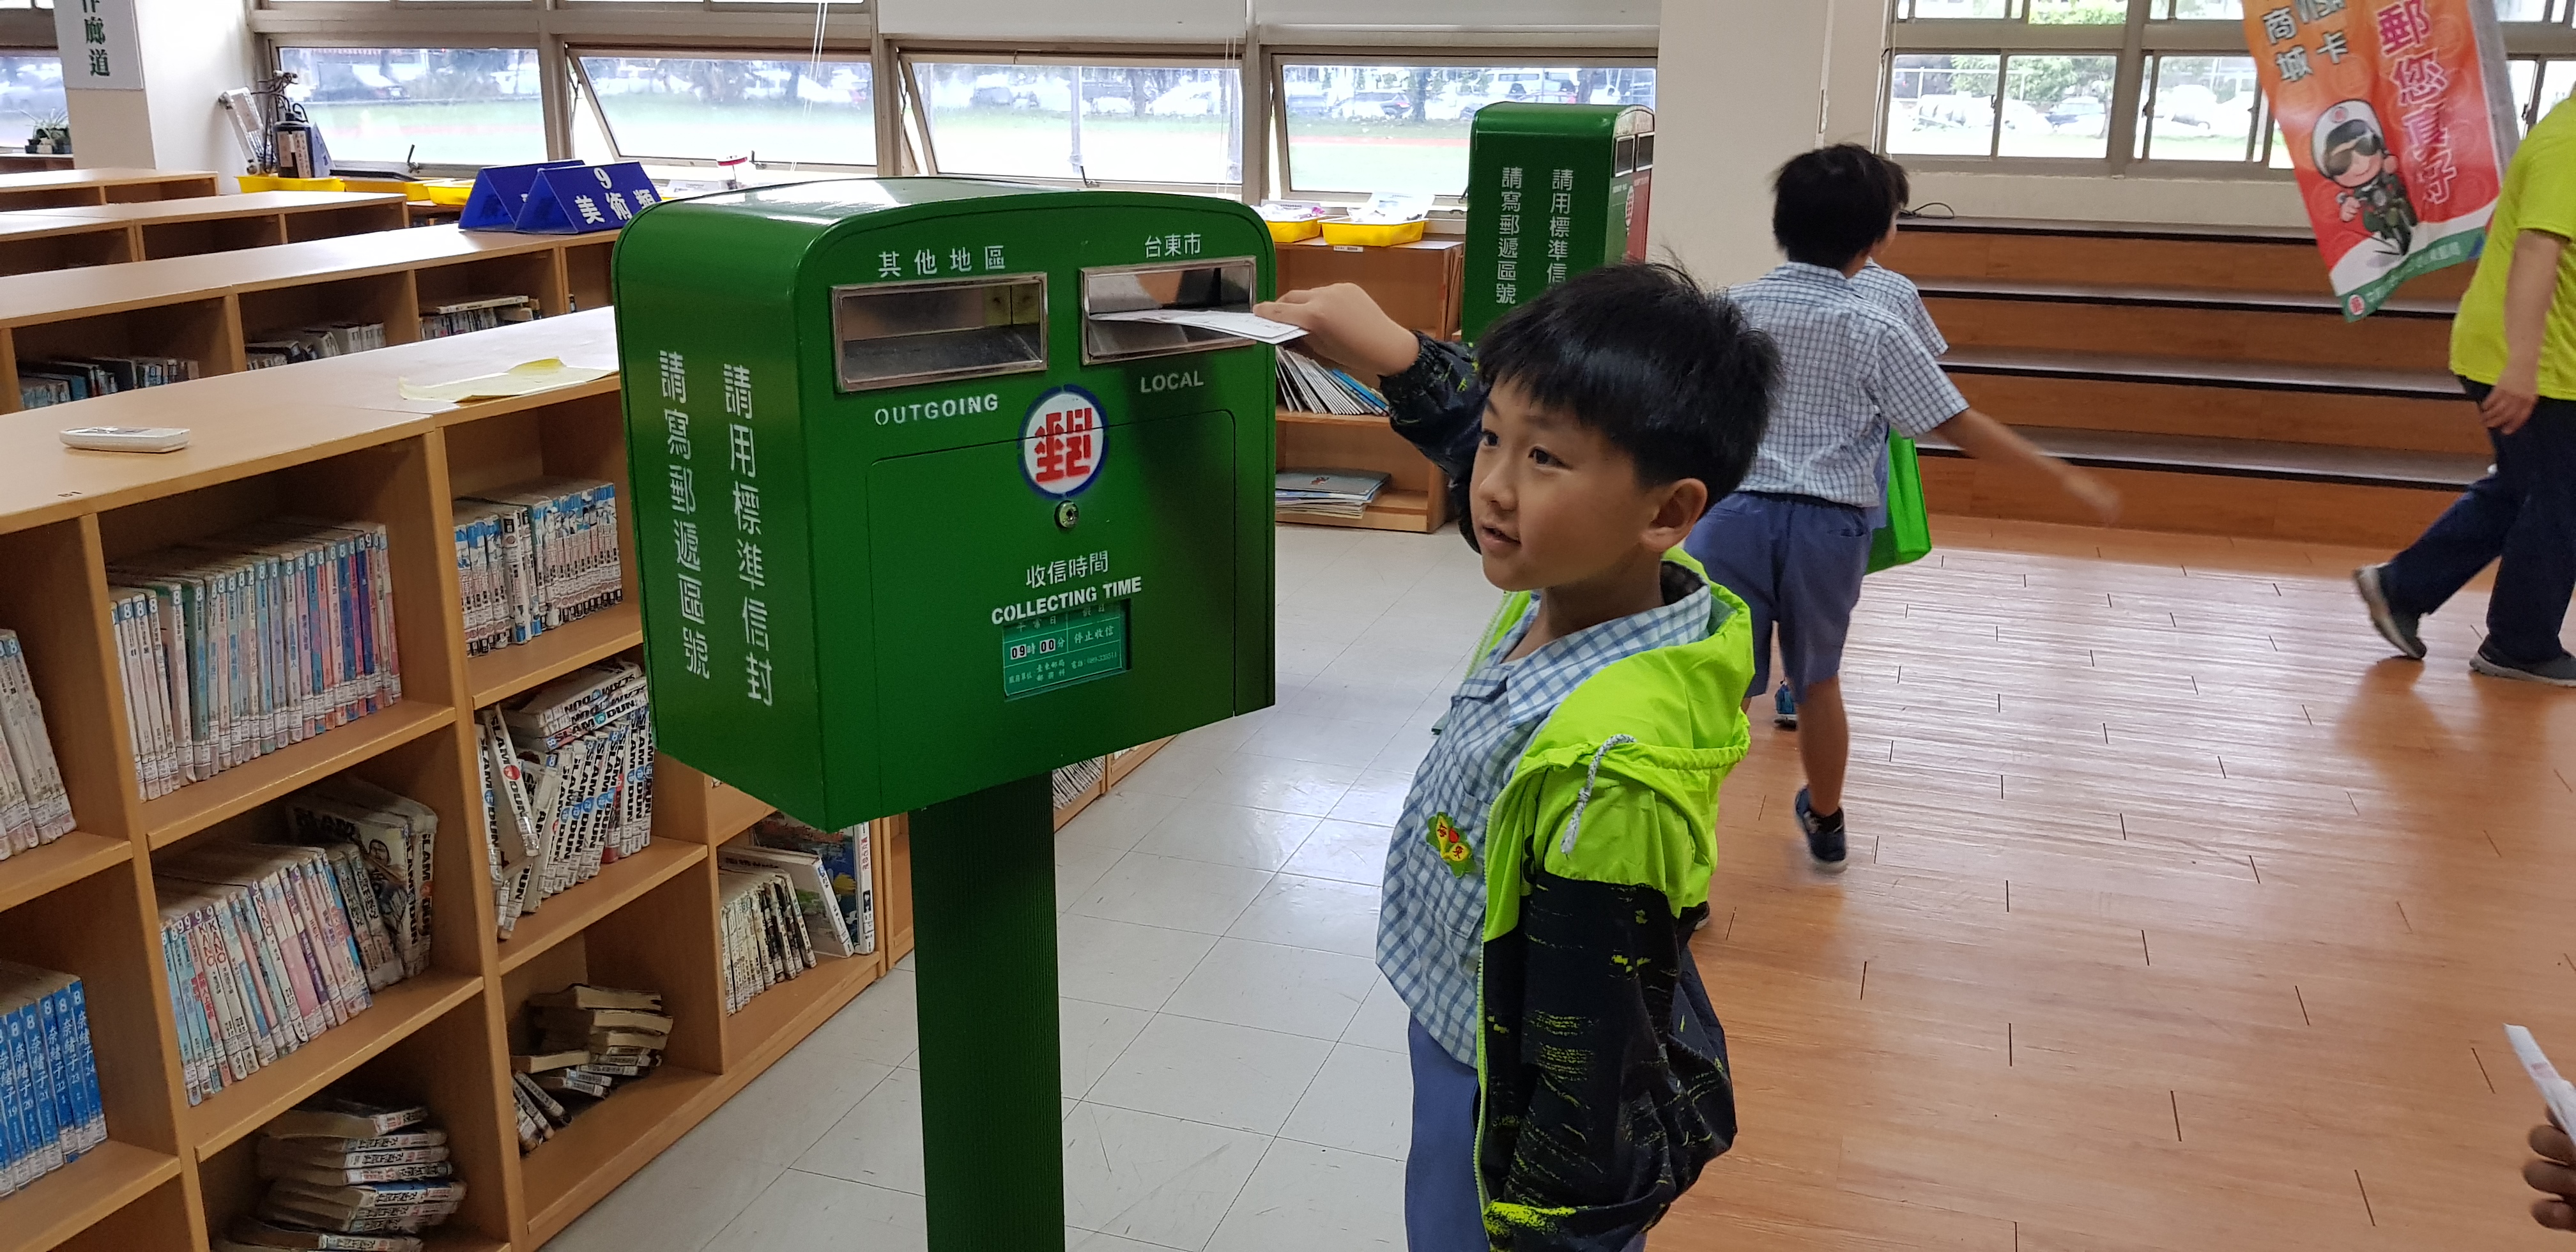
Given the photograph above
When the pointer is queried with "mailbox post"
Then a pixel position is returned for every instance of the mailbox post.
(916, 525)
(1552, 190)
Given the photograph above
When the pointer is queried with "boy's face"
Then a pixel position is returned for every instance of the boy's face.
(1556, 504)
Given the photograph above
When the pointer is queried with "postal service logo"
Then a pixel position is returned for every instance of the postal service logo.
(1064, 441)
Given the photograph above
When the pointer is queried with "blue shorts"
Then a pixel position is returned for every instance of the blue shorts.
(1797, 562)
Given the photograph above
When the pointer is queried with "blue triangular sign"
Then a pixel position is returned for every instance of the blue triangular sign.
(498, 192)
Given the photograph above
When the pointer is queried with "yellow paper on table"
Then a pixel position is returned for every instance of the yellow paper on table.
(519, 380)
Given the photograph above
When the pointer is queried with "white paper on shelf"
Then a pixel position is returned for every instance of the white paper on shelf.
(519, 380)
(2557, 1091)
(1240, 325)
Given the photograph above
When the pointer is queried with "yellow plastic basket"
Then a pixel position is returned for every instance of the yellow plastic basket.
(311, 184)
(452, 194)
(257, 182)
(1291, 232)
(1371, 235)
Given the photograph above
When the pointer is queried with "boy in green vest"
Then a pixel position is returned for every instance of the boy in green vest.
(1554, 852)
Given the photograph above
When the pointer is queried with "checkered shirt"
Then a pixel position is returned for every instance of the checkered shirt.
(1430, 932)
(1895, 293)
(1851, 372)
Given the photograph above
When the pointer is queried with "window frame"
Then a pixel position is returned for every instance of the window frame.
(2138, 43)
(270, 48)
(1275, 63)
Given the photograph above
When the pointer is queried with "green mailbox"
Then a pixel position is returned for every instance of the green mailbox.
(920, 517)
(1552, 190)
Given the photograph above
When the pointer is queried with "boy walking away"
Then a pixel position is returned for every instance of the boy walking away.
(1794, 538)
(2514, 347)
(1553, 857)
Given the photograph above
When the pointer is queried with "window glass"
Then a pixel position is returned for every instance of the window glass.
(31, 87)
(2205, 10)
(2057, 106)
(2078, 12)
(2203, 109)
(2556, 78)
(1137, 123)
(436, 106)
(2523, 10)
(712, 108)
(1371, 128)
(1941, 103)
(1986, 9)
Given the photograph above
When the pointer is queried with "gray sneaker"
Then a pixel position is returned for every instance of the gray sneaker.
(2558, 671)
(2395, 627)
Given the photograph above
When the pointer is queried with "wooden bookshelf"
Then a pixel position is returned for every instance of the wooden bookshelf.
(56, 189)
(35, 240)
(1416, 497)
(336, 438)
(206, 307)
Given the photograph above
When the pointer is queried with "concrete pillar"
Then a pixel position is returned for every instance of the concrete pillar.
(190, 51)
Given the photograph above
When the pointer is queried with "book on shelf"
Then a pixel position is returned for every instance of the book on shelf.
(394, 838)
(63, 380)
(1307, 385)
(312, 343)
(848, 861)
(816, 896)
(51, 1112)
(764, 938)
(35, 809)
(250, 1232)
(585, 1040)
(568, 783)
(330, 1183)
(236, 646)
(1328, 492)
(466, 314)
(534, 556)
(267, 947)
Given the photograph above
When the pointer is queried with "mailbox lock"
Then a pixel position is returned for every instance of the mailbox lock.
(1066, 514)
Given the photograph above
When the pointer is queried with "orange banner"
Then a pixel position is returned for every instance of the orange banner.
(2399, 117)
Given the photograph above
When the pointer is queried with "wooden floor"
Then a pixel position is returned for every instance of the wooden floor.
(2178, 918)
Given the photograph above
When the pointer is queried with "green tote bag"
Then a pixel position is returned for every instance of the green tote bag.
(1907, 535)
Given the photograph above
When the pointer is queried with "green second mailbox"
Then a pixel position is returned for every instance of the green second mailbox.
(920, 517)
(1552, 190)
(914, 518)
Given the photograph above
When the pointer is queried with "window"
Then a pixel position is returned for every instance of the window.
(1137, 123)
(1366, 128)
(2539, 85)
(31, 85)
(705, 109)
(2203, 109)
(429, 106)
(2051, 106)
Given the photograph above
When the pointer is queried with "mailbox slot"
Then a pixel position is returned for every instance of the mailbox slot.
(901, 334)
(1226, 284)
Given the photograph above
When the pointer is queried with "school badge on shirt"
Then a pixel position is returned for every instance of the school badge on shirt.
(1451, 846)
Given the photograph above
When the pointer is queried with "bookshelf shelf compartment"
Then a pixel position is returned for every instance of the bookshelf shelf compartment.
(619, 884)
(78, 1196)
(245, 1106)
(609, 1142)
(505, 672)
(776, 1018)
(58, 864)
(194, 807)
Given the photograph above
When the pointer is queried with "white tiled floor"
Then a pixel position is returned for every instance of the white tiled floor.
(1233, 1063)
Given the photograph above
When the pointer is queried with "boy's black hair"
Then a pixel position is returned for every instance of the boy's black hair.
(1832, 204)
(1668, 372)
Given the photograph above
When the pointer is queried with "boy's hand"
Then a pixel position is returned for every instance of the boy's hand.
(2553, 1172)
(1343, 325)
(2095, 494)
(2510, 403)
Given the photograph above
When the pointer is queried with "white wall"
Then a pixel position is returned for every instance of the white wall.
(192, 50)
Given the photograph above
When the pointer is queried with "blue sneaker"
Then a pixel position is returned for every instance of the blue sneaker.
(1826, 842)
(1784, 708)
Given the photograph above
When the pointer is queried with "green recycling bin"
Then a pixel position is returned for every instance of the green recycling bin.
(1552, 190)
(924, 510)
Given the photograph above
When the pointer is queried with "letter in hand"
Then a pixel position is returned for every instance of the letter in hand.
(1346, 327)
(2553, 1173)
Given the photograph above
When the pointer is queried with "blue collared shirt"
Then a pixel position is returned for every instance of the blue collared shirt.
(1430, 931)
(1851, 372)
(1897, 294)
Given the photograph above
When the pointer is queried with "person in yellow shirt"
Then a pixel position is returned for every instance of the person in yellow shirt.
(2514, 348)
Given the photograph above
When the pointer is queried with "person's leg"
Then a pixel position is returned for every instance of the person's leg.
(2464, 540)
(2538, 573)
(1820, 585)
(1824, 744)
(1734, 543)
(1442, 1212)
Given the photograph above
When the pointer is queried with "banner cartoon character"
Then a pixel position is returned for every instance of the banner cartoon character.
(2352, 152)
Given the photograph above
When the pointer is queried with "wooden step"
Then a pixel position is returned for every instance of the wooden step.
(2405, 410)
(2247, 488)
(2197, 322)
(2242, 258)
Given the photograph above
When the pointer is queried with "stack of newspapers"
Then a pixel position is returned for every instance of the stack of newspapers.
(1341, 494)
(35, 809)
(348, 1174)
(532, 557)
(567, 784)
(1307, 385)
(236, 646)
